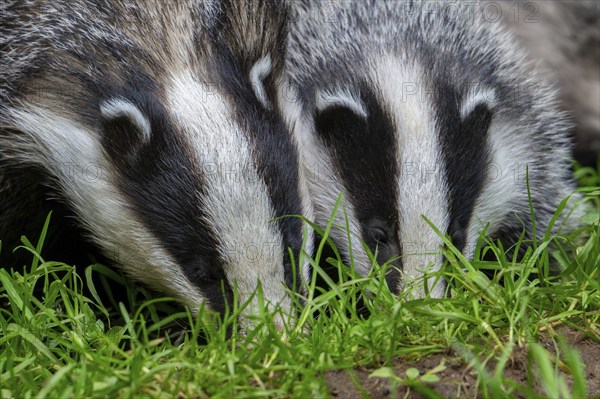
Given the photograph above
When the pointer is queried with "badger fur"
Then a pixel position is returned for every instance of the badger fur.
(413, 109)
(153, 123)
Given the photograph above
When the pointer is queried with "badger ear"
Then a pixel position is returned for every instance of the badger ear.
(118, 109)
(340, 98)
(476, 98)
(125, 127)
(253, 33)
(254, 29)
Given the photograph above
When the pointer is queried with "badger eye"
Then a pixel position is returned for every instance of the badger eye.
(378, 233)
(379, 236)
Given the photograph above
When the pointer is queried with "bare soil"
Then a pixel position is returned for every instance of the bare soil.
(459, 380)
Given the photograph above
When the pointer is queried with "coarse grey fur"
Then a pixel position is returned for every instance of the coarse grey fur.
(151, 126)
(412, 108)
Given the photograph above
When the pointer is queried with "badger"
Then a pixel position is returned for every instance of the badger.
(422, 112)
(154, 124)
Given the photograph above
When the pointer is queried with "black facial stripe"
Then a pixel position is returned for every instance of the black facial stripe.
(465, 153)
(162, 185)
(273, 153)
(364, 152)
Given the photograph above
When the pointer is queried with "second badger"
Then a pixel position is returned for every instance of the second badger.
(171, 105)
(421, 108)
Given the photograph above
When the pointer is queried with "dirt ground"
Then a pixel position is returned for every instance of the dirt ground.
(458, 380)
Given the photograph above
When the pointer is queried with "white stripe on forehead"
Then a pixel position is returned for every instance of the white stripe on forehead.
(73, 154)
(289, 103)
(237, 201)
(422, 187)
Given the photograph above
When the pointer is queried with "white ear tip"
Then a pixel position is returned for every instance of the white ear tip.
(477, 96)
(120, 107)
(340, 98)
(260, 70)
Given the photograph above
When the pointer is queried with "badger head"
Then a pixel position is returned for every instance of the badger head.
(412, 112)
(155, 122)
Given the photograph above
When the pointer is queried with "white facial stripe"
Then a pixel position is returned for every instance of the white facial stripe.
(260, 70)
(422, 187)
(477, 96)
(237, 200)
(324, 184)
(291, 111)
(73, 155)
(308, 213)
(340, 98)
(119, 107)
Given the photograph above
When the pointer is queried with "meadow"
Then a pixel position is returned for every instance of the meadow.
(509, 329)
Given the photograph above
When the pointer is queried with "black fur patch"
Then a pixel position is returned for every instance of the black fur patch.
(466, 155)
(364, 154)
(163, 186)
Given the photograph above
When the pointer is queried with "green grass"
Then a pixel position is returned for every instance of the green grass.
(59, 339)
